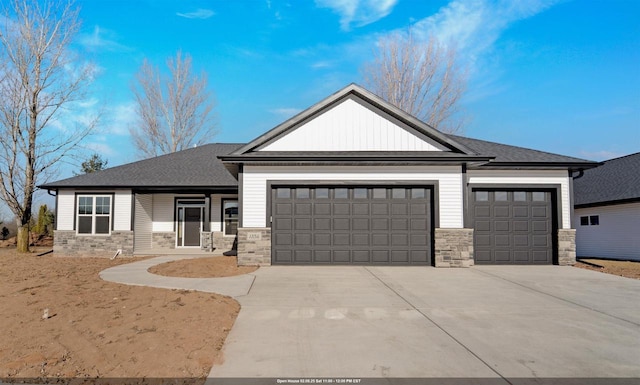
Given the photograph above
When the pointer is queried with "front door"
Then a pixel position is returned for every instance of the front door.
(189, 226)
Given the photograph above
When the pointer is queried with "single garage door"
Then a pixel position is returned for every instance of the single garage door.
(357, 225)
(513, 227)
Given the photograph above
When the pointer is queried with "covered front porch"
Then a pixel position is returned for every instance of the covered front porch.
(193, 223)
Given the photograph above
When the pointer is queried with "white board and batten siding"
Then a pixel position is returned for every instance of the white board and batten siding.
(617, 235)
(121, 208)
(350, 126)
(255, 178)
(528, 177)
(143, 225)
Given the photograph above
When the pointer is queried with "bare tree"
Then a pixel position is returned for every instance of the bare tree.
(420, 77)
(174, 110)
(39, 79)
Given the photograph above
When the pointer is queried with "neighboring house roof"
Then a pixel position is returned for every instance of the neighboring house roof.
(513, 156)
(616, 181)
(191, 168)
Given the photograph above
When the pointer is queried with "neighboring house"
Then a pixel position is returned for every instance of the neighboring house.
(607, 210)
(351, 180)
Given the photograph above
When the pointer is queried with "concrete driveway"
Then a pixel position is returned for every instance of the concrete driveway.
(481, 322)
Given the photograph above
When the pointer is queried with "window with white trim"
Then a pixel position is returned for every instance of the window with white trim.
(230, 216)
(94, 214)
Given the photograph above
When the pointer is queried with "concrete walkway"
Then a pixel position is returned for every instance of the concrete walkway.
(136, 274)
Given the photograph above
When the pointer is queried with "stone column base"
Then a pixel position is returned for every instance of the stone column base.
(566, 247)
(454, 247)
(254, 246)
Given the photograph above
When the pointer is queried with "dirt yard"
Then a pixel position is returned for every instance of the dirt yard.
(97, 329)
(622, 268)
(210, 267)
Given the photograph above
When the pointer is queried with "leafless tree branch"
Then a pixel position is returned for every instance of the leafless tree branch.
(175, 111)
(421, 78)
(39, 78)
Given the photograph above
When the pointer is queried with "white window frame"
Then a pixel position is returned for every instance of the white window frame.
(93, 214)
(224, 222)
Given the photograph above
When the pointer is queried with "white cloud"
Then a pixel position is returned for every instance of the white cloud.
(101, 39)
(358, 12)
(475, 25)
(118, 119)
(200, 13)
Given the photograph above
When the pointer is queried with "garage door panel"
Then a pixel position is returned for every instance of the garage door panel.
(284, 256)
(483, 225)
(501, 212)
(360, 224)
(419, 240)
(502, 255)
(284, 209)
(482, 212)
(540, 256)
(540, 226)
(501, 225)
(400, 224)
(361, 256)
(303, 208)
(321, 239)
(419, 256)
(351, 225)
(283, 223)
(521, 226)
(283, 239)
(341, 256)
(399, 209)
(512, 227)
(380, 208)
(521, 240)
(521, 255)
(322, 256)
(322, 208)
(360, 239)
(341, 224)
(419, 224)
(341, 239)
(399, 256)
(540, 240)
(418, 208)
(502, 240)
(401, 240)
(360, 209)
(379, 223)
(302, 256)
(521, 212)
(322, 224)
(380, 239)
(302, 224)
(483, 240)
(303, 239)
(341, 209)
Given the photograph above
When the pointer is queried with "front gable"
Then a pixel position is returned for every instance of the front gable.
(352, 121)
(352, 124)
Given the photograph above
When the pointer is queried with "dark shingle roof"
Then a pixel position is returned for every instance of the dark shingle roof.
(194, 167)
(616, 180)
(512, 154)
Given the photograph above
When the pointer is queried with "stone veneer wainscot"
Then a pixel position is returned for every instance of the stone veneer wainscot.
(67, 242)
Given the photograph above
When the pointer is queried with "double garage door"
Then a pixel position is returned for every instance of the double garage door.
(362, 225)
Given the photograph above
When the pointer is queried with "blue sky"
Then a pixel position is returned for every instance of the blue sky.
(559, 76)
